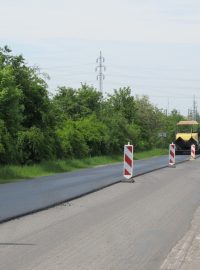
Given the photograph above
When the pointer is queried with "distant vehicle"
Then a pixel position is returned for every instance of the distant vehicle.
(188, 133)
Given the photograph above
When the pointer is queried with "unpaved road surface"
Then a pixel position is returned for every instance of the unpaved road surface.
(126, 226)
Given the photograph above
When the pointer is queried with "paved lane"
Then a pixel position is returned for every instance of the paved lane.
(125, 226)
(20, 198)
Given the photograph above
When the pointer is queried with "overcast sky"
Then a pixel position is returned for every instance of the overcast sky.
(151, 45)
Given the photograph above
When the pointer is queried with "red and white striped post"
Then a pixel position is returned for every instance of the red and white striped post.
(193, 148)
(128, 161)
(172, 155)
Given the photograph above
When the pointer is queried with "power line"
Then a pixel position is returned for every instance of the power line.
(149, 77)
(100, 77)
(154, 68)
(54, 67)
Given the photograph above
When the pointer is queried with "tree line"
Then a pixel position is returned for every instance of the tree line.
(35, 126)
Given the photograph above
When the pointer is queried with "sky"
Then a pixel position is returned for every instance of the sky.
(150, 45)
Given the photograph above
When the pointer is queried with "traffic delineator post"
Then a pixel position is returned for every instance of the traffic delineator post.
(193, 149)
(128, 161)
(172, 156)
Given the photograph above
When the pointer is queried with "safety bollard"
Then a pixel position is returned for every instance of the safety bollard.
(193, 155)
(172, 156)
(128, 161)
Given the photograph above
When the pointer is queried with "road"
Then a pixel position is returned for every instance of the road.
(17, 199)
(125, 226)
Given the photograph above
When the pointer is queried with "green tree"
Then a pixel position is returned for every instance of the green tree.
(150, 120)
(10, 99)
(71, 141)
(74, 104)
(65, 104)
(34, 94)
(7, 146)
(96, 135)
(122, 101)
(33, 146)
(172, 120)
(89, 100)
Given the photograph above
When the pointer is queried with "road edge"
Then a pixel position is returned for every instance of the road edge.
(81, 195)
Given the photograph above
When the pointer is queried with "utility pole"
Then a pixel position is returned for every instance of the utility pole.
(100, 68)
(194, 109)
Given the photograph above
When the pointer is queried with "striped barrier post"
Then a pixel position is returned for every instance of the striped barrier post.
(172, 155)
(193, 148)
(128, 161)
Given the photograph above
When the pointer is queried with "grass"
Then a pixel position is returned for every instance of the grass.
(14, 173)
(150, 153)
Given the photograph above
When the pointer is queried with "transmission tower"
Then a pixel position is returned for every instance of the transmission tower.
(100, 68)
(193, 113)
(194, 109)
(190, 114)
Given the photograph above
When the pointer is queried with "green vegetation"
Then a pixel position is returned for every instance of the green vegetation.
(150, 153)
(74, 123)
(13, 173)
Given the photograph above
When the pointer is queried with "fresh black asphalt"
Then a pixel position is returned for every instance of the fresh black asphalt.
(21, 198)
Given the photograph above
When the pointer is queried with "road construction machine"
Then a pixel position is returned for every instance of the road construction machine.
(188, 133)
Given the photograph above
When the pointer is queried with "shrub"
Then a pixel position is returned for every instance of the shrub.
(96, 135)
(72, 142)
(32, 146)
(7, 145)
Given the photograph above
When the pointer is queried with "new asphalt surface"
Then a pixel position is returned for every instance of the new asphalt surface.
(18, 199)
(124, 226)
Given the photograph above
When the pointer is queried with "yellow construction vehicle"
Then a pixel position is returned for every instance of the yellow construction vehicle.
(187, 134)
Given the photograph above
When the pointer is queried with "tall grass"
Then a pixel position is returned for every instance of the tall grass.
(13, 173)
(150, 153)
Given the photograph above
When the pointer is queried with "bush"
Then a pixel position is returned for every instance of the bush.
(72, 142)
(96, 135)
(32, 146)
(7, 145)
